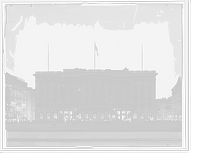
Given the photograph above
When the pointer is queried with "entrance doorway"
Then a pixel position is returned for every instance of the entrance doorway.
(134, 116)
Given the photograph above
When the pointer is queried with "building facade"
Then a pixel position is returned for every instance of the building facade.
(30, 103)
(95, 95)
(176, 100)
(167, 108)
(160, 103)
(19, 99)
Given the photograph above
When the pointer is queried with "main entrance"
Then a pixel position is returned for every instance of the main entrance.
(67, 114)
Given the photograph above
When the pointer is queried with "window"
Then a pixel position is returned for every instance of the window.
(86, 99)
(48, 116)
(94, 98)
(102, 115)
(142, 115)
(55, 116)
(86, 115)
(41, 116)
(94, 116)
(149, 115)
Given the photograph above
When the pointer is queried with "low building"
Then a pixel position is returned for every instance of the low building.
(30, 104)
(167, 109)
(176, 99)
(160, 103)
(19, 99)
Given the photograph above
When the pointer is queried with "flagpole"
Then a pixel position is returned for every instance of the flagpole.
(142, 58)
(49, 90)
(94, 58)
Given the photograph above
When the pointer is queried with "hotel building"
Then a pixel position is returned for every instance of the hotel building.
(95, 95)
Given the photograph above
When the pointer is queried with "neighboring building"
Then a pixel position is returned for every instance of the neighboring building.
(176, 99)
(95, 95)
(19, 99)
(30, 104)
(160, 103)
(167, 108)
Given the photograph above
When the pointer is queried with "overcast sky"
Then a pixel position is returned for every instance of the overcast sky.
(120, 33)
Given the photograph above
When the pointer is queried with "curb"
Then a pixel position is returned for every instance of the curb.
(92, 139)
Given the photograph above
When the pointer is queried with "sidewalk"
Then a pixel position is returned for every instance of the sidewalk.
(74, 136)
(93, 139)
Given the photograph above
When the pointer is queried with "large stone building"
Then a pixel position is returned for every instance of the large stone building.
(176, 99)
(95, 95)
(19, 99)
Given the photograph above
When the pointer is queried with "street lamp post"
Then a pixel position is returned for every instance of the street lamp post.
(110, 97)
(49, 103)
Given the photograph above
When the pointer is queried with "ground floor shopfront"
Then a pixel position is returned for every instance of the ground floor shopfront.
(95, 114)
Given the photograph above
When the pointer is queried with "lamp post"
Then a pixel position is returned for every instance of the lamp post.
(49, 103)
(110, 97)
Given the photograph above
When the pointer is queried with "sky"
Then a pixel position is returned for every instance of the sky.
(120, 32)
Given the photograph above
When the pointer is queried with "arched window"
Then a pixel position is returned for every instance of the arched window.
(41, 116)
(79, 116)
(102, 115)
(142, 115)
(94, 116)
(134, 116)
(86, 115)
(55, 116)
(48, 116)
(149, 115)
